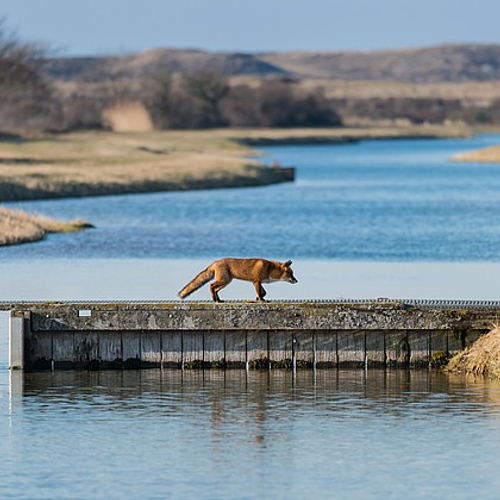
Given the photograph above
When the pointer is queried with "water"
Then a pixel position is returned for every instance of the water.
(374, 201)
(388, 218)
(333, 434)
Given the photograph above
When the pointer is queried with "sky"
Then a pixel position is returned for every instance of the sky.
(99, 27)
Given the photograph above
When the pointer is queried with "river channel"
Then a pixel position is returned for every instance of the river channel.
(375, 219)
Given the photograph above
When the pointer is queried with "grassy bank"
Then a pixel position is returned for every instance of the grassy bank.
(481, 358)
(486, 155)
(100, 163)
(18, 227)
(93, 163)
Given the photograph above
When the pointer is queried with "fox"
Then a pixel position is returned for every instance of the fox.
(257, 271)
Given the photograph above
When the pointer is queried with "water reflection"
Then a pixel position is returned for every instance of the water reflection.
(260, 393)
(233, 434)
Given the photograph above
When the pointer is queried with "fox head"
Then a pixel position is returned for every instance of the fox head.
(287, 273)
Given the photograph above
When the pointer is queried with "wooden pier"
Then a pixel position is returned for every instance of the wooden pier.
(132, 335)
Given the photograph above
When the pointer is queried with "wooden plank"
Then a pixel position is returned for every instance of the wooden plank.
(131, 349)
(438, 341)
(213, 349)
(280, 348)
(150, 349)
(397, 348)
(63, 350)
(110, 349)
(236, 348)
(375, 348)
(41, 355)
(472, 336)
(351, 347)
(171, 349)
(456, 342)
(326, 348)
(438, 348)
(419, 343)
(86, 346)
(257, 349)
(303, 343)
(462, 338)
(192, 349)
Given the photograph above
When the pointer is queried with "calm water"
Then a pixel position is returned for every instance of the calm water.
(368, 220)
(206, 435)
(376, 201)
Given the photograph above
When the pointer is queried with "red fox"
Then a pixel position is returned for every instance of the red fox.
(257, 271)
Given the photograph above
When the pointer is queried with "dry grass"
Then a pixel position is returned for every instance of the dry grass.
(481, 358)
(369, 132)
(20, 227)
(129, 116)
(486, 155)
(104, 163)
(94, 163)
(481, 94)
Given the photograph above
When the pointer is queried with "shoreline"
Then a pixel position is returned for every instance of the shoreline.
(254, 178)
(489, 154)
(485, 155)
(103, 163)
(18, 227)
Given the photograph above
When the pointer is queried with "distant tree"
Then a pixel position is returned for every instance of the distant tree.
(241, 107)
(26, 99)
(414, 110)
(492, 113)
(277, 103)
(208, 88)
(156, 95)
(185, 101)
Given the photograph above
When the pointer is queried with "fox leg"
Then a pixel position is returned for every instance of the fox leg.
(216, 287)
(261, 293)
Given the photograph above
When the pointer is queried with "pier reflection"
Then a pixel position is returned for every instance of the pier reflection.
(260, 393)
(269, 434)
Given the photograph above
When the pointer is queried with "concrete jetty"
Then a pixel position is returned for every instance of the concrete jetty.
(285, 334)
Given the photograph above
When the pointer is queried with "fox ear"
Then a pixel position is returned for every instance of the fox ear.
(288, 263)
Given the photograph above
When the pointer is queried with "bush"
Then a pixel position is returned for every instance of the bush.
(27, 101)
(416, 110)
(279, 104)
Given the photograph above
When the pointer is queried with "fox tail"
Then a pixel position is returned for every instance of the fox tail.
(197, 282)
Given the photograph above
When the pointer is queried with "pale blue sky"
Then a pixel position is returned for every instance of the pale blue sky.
(86, 27)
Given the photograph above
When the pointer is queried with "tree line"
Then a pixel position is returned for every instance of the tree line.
(195, 100)
(201, 99)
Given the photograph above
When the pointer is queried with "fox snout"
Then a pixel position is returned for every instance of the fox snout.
(292, 280)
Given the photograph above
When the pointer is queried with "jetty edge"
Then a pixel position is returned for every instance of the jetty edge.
(278, 334)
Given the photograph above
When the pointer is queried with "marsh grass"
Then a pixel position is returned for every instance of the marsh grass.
(17, 226)
(486, 155)
(481, 358)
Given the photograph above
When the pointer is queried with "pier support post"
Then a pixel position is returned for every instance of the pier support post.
(16, 341)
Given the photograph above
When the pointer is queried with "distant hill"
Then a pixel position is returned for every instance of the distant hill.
(168, 60)
(445, 63)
